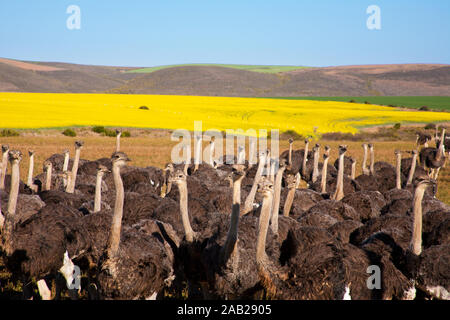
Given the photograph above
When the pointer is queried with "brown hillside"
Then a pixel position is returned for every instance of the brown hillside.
(388, 80)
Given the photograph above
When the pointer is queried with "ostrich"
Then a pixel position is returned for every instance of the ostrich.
(433, 158)
(135, 263)
(339, 193)
(42, 244)
(71, 183)
(422, 139)
(429, 267)
(227, 254)
(5, 151)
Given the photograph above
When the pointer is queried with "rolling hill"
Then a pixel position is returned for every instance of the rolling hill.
(226, 80)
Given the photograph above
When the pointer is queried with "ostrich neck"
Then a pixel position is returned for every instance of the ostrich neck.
(114, 237)
(30, 171)
(71, 182)
(398, 172)
(48, 178)
(66, 162)
(182, 187)
(289, 200)
(416, 240)
(324, 176)
(339, 194)
(232, 235)
(364, 164)
(11, 211)
(211, 154)
(412, 170)
(316, 167)
(305, 159)
(98, 192)
(118, 143)
(290, 154)
(198, 152)
(372, 162)
(353, 176)
(4, 170)
(248, 205)
(276, 200)
(263, 227)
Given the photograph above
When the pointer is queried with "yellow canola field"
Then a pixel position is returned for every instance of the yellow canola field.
(47, 110)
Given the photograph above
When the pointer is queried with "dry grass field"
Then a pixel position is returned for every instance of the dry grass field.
(153, 148)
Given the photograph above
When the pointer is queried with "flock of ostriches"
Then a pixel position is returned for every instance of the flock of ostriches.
(222, 231)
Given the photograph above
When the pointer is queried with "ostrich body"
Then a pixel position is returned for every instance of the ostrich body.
(433, 158)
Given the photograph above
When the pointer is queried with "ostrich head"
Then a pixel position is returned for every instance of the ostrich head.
(265, 187)
(238, 171)
(102, 169)
(178, 177)
(15, 156)
(5, 148)
(47, 165)
(65, 151)
(290, 181)
(119, 158)
(327, 151)
(370, 145)
(423, 182)
(397, 152)
(30, 152)
(291, 141)
(79, 144)
(283, 163)
(118, 132)
(343, 149)
(169, 167)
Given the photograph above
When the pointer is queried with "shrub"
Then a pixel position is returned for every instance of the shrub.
(397, 126)
(109, 133)
(430, 126)
(98, 129)
(69, 133)
(367, 102)
(392, 106)
(352, 101)
(143, 107)
(126, 134)
(291, 134)
(9, 133)
(424, 108)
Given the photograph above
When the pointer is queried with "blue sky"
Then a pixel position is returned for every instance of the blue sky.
(281, 32)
